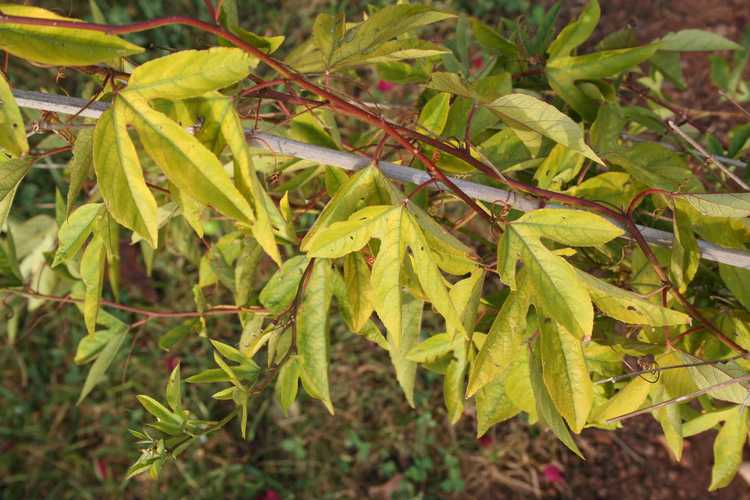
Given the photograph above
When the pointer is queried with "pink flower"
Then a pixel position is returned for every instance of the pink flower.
(384, 86)
(170, 362)
(553, 474)
(270, 495)
(101, 469)
(477, 62)
(485, 441)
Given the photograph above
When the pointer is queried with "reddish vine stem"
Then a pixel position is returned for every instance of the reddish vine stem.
(397, 133)
(214, 311)
(637, 199)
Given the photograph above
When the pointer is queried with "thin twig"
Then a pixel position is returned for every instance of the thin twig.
(708, 156)
(679, 399)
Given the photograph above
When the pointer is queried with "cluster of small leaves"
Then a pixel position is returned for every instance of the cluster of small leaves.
(559, 327)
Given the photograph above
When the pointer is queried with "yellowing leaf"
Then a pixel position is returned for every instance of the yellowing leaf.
(503, 341)
(11, 173)
(720, 205)
(186, 162)
(570, 227)
(358, 289)
(524, 112)
(630, 307)
(92, 275)
(12, 132)
(629, 398)
(728, 448)
(287, 384)
(411, 318)
(312, 332)
(386, 276)
(493, 406)
(189, 73)
(59, 46)
(280, 290)
(103, 361)
(344, 237)
(453, 383)
(119, 175)
(75, 230)
(565, 374)
(544, 404)
(431, 349)
(434, 114)
(557, 289)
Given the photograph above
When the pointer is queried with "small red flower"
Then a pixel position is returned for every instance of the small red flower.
(270, 495)
(477, 62)
(170, 362)
(485, 441)
(384, 86)
(553, 474)
(101, 469)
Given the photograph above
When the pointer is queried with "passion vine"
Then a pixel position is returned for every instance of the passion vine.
(577, 269)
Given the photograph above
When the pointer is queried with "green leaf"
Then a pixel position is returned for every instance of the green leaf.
(503, 341)
(287, 383)
(186, 162)
(565, 374)
(119, 175)
(685, 258)
(81, 166)
(493, 406)
(570, 227)
(544, 404)
(737, 281)
(75, 230)
(493, 41)
(102, 363)
(696, 40)
(575, 33)
(389, 22)
(706, 376)
(557, 289)
(411, 318)
(707, 421)
(602, 64)
(628, 399)
(189, 73)
(10, 274)
(358, 289)
(630, 307)
(90, 345)
(59, 46)
(524, 112)
(11, 173)
(720, 205)
(434, 114)
(230, 20)
(559, 167)
(280, 290)
(728, 448)
(12, 131)
(174, 390)
(312, 332)
(158, 410)
(92, 275)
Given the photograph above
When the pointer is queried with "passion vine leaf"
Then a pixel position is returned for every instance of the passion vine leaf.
(575, 33)
(120, 177)
(92, 275)
(312, 332)
(696, 40)
(526, 113)
(58, 46)
(720, 205)
(565, 374)
(189, 73)
(728, 448)
(630, 307)
(12, 131)
(185, 161)
(558, 291)
(75, 230)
